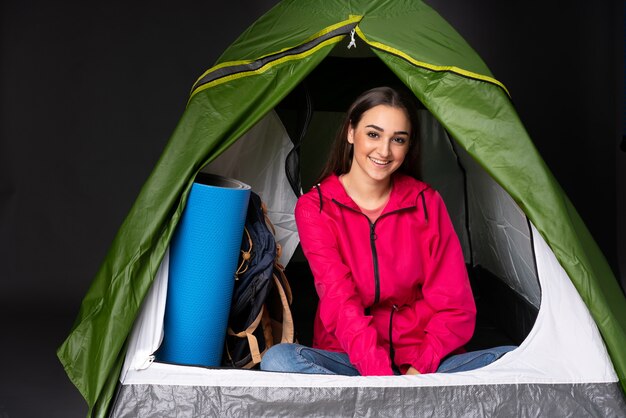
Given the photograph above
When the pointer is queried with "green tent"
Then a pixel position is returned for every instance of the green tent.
(408, 44)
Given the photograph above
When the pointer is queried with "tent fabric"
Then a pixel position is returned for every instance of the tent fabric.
(500, 239)
(492, 135)
(530, 400)
(264, 148)
(444, 73)
(536, 379)
(564, 346)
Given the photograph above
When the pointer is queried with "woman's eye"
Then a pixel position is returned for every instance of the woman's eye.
(400, 140)
(372, 134)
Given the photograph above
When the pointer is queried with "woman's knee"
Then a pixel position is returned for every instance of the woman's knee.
(502, 350)
(473, 360)
(279, 358)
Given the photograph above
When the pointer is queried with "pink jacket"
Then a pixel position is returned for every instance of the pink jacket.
(395, 289)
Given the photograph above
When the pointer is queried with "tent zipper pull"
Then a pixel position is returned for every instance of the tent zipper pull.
(352, 40)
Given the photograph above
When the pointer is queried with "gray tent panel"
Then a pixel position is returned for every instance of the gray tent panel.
(521, 400)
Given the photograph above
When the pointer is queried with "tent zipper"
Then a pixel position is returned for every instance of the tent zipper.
(225, 70)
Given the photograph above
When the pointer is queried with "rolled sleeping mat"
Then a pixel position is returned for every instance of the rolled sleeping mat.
(203, 259)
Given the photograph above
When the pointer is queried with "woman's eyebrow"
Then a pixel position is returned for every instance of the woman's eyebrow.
(378, 128)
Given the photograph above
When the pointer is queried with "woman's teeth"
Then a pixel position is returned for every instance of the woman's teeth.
(380, 162)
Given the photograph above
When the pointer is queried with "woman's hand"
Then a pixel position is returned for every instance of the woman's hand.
(412, 370)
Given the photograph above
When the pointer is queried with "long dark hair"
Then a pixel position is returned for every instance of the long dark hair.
(340, 158)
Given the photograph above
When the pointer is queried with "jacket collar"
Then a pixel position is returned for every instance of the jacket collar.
(404, 193)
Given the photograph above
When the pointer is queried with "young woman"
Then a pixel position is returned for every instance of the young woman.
(388, 267)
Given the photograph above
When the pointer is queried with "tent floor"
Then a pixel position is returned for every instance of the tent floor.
(522, 400)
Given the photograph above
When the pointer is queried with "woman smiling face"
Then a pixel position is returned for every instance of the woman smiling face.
(381, 142)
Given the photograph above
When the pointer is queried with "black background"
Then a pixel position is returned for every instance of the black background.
(90, 93)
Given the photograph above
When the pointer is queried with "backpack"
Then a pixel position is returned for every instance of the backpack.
(260, 314)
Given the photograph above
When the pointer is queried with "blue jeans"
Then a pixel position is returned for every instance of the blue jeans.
(296, 358)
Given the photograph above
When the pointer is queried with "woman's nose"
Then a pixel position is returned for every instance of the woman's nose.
(384, 148)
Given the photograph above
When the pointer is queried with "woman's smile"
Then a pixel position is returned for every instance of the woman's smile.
(380, 162)
(380, 143)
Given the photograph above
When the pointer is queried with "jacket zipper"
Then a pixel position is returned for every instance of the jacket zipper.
(373, 244)
(375, 257)
(375, 252)
(394, 308)
(392, 351)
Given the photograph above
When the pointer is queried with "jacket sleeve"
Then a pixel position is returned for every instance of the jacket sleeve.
(447, 295)
(340, 308)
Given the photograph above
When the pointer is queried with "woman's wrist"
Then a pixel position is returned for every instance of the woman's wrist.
(412, 370)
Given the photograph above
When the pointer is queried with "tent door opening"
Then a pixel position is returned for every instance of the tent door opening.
(494, 232)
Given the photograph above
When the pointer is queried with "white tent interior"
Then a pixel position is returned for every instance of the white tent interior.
(563, 346)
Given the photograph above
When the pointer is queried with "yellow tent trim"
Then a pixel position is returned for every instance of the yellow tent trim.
(328, 29)
(267, 66)
(428, 66)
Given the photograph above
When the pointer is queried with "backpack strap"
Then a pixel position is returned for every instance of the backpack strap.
(285, 300)
(245, 256)
(268, 221)
(270, 331)
(252, 341)
(287, 328)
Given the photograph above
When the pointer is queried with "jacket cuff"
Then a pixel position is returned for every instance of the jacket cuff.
(424, 359)
(377, 363)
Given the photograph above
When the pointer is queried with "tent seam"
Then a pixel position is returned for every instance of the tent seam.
(353, 19)
(431, 67)
(265, 67)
